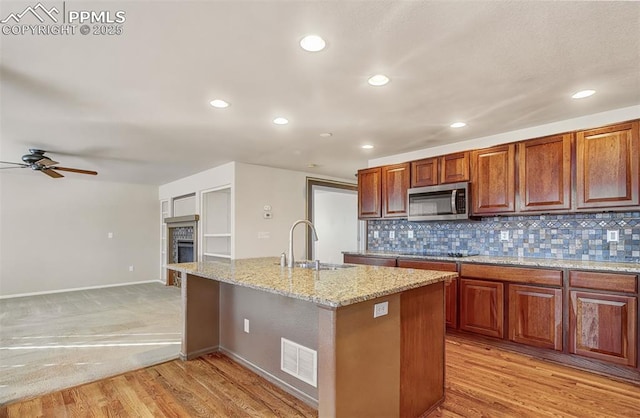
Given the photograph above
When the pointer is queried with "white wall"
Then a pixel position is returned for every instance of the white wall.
(584, 122)
(53, 233)
(335, 215)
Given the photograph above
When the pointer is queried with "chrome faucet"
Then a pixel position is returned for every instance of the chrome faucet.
(290, 261)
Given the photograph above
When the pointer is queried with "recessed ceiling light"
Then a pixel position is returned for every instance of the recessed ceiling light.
(458, 125)
(312, 43)
(582, 94)
(326, 134)
(367, 146)
(378, 80)
(220, 104)
(280, 121)
(312, 165)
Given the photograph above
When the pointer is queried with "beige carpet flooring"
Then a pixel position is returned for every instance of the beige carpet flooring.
(55, 341)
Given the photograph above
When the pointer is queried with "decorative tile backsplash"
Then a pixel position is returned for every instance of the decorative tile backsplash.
(580, 236)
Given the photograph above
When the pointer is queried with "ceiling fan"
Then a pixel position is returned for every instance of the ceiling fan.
(37, 161)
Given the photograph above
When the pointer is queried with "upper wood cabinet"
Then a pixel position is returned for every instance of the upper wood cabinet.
(370, 193)
(395, 183)
(450, 168)
(454, 167)
(607, 163)
(424, 172)
(493, 179)
(544, 167)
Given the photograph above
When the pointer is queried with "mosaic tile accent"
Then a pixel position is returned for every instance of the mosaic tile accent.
(183, 233)
(581, 236)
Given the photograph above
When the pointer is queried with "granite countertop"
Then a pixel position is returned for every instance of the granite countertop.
(514, 261)
(331, 288)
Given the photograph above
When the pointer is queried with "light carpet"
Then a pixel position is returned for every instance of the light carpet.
(55, 341)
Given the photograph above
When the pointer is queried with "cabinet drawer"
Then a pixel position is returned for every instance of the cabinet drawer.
(513, 274)
(604, 281)
(371, 261)
(428, 265)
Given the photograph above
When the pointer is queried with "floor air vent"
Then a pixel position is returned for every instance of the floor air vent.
(299, 361)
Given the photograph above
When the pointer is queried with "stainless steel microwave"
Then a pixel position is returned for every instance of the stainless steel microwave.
(443, 202)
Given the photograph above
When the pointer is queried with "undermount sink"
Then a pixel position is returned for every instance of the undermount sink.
(323, 266)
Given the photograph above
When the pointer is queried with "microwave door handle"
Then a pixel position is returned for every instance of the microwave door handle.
(453, 201)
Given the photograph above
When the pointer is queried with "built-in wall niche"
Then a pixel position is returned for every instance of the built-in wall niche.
(184, 205)
(216, 224)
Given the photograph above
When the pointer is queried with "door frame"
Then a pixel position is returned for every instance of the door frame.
(313, 182)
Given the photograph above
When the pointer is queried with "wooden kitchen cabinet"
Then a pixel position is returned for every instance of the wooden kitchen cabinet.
(395, 183)
(454, 168)
(424, 172)
(369, 260)
(607, 164)
(370, 193)
(481, 307)
(604, 326)
(545, 173)
(450, 286)
(535, 316)
(493, 180)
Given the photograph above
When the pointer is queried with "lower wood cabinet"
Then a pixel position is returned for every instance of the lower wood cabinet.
(535, 316)
(604, 326)
(482, 307)
(450, 286)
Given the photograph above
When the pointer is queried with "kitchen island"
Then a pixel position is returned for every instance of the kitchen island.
(378, 332)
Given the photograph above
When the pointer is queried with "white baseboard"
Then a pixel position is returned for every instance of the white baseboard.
(271, 378)
(20, 295)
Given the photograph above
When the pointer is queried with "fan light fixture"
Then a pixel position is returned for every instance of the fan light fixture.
(367, 146)
(458, 125)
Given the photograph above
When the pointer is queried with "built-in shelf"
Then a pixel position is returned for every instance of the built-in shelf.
(216, 223)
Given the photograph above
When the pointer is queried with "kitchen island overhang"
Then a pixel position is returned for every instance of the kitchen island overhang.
(389, 365)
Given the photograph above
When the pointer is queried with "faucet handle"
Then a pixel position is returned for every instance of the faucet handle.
(283, 260)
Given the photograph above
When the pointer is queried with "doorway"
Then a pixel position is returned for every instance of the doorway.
(333, 208)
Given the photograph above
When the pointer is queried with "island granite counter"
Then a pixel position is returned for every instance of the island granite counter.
(365, 362)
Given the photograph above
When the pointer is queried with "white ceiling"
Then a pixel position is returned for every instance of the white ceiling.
(135, 106)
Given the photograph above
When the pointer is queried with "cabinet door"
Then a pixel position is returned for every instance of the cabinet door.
(454, 167)
(424, 172)
(481, 307)
(369, 193)
(607, 167)
(493, 179)
(395, 183)
(451, 303)
(535, 316)
(450, 287)
(370, 261)
(545, 173)
(604, 327)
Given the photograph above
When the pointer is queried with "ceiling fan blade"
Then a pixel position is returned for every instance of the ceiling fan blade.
(6, 168)
(45, 162)
(20, 164)
(49, 172)
(76, 170)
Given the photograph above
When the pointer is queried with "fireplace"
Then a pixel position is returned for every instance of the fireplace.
(185, 251)
(181, 243)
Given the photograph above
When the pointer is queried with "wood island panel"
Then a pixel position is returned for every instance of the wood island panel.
(201, 305)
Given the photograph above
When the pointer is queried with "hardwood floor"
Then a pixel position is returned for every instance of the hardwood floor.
(481, 382)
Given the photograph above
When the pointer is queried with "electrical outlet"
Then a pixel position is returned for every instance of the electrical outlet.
(110, 235)
(612, 235)
(131, 268)
(504, 235)
(410, 233)
(376, 234)
(380, 309)
(392, 234)
(246, 325)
